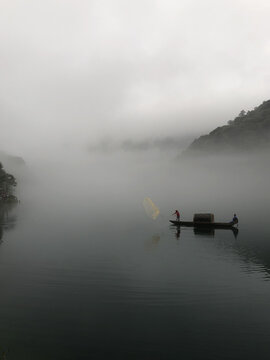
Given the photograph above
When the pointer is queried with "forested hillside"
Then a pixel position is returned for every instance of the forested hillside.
(249, 131)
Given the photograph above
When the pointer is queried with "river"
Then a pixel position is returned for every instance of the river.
(85, 274)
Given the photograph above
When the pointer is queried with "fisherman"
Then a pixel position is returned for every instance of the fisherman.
(235, 219)
(177, 214)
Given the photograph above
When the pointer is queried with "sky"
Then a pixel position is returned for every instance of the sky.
(77, 73)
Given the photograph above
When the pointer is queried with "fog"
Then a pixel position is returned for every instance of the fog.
(100, 98)
(74, 73)
(112, 186)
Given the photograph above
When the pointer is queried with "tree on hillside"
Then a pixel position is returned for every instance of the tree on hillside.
(242, 113)
(7, 184)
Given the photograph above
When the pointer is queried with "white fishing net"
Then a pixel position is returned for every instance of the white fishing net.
(150, 208)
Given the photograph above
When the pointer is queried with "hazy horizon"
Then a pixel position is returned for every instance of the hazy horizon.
(75, 73)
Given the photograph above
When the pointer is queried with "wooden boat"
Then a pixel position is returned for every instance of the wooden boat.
(214, 225)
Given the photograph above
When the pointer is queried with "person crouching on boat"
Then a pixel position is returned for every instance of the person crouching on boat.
(235, 219)
(177, 214)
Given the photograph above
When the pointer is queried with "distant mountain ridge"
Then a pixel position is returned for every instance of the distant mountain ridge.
(249, 131)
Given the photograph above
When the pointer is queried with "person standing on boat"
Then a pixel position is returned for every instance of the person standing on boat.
(177, 214)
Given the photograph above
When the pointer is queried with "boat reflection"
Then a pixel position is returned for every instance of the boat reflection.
(210, 232)
(204, 231)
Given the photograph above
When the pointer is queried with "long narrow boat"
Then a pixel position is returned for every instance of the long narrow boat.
(215, 225)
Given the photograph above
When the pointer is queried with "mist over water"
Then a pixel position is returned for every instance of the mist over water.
(98, 98)
(85, 273)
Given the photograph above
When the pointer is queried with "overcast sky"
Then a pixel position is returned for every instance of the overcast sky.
(78, 71)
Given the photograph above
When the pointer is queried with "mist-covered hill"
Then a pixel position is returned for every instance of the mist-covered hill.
(13, 164)
(249, 131)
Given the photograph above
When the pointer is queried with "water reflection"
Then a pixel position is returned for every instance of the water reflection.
(153, 242)
(255, 253)
(178, 232)
(3, 354)
(202, 231)
(210, 232)
(7, 218)
(252, 248)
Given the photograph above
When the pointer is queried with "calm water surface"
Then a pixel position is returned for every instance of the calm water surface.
(89, 280)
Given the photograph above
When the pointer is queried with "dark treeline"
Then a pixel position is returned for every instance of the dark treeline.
(249, 131)
(7, 185)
